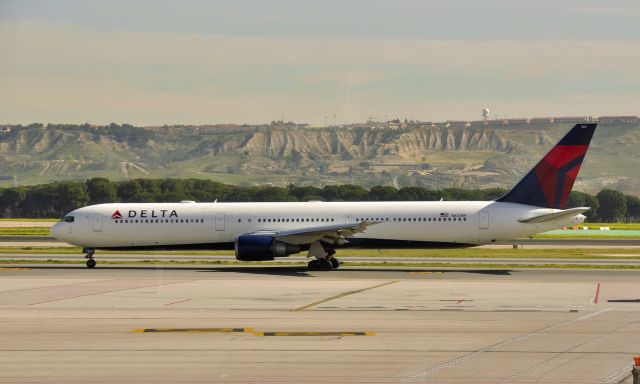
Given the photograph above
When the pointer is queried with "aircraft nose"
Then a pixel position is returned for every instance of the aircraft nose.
(56, 230)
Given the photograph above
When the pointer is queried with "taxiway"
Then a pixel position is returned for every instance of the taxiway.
(284, 324)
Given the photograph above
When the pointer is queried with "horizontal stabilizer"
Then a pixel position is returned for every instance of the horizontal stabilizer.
(555, 215)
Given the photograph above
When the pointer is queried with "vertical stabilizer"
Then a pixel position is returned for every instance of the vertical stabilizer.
(549, 183)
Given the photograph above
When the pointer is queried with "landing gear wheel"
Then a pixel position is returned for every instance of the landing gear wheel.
(335, 263)
(313, 265)
(89, 256)
(324, 265)
(320, 265)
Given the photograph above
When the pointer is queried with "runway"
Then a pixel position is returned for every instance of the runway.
(284, 324)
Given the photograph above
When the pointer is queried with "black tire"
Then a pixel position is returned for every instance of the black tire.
(91, 263)
(325, 265)
(313, 265)
(335, 263)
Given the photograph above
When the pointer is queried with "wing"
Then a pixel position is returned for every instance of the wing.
(334, 234)
(555, 215)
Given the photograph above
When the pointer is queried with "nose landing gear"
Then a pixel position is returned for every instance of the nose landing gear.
(89, 256)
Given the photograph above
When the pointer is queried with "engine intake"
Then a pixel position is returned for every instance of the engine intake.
(262, 247)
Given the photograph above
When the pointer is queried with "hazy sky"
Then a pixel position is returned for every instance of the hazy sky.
(197, 62)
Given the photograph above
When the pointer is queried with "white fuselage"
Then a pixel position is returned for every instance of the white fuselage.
(174, 224)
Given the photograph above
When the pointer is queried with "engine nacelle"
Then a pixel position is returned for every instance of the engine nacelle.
(262, 247)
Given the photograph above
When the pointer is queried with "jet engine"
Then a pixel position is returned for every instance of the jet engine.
(262, 247)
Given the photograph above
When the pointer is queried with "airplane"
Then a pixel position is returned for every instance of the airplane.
(264, 231)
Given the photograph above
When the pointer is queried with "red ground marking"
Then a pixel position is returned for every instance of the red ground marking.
(595, 297)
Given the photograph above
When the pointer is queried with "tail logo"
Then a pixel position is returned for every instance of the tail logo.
(116, 215)
(549, 183)
(558, 171)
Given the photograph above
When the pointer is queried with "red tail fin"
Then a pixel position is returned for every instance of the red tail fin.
(549, 183)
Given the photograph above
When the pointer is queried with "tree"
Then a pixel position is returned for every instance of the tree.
(172, 190)
(346, 192)
(129, 191)
(382, 193)
(613, 205)
(10, 200)
(633, 209)
(577, 199)
(305, 193)
(101, 190)
(594, 204)
(273, 194)
(69, 196)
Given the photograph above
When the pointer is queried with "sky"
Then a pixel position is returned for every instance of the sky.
(160, 62)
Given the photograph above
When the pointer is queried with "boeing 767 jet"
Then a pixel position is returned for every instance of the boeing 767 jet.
(264, 231)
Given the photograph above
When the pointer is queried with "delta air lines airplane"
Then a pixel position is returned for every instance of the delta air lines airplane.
(264, 231)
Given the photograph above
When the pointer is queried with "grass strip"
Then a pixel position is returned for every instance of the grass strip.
(29, 220)
(612, 226)
(585, 236)
(24, 231)
(480, 253)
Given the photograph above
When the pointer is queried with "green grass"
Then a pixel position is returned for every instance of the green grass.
(25, 231)
(612, 226)
(585, 236)
(27, 220)
(480, 253)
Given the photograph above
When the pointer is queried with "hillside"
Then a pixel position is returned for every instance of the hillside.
(433, 155)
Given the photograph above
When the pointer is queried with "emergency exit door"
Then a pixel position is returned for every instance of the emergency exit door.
(96, 223)
(484, 220)
(220, 218)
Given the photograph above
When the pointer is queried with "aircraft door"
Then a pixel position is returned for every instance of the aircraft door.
(220, 219)
(96, 224)
(348, 218)
(484, 220)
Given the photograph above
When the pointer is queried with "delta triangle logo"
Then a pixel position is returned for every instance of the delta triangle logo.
(116, 215)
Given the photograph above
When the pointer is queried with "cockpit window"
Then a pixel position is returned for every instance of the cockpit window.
(67, 219)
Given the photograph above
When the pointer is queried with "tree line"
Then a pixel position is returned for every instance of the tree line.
(56, 199)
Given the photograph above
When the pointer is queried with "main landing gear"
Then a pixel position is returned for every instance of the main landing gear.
(324, 260)
(324, 264)
(89, 256)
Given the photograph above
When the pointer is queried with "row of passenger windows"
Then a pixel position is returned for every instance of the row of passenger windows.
(165, 221)
(413, 219)
(297, 220)
(327, 220)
